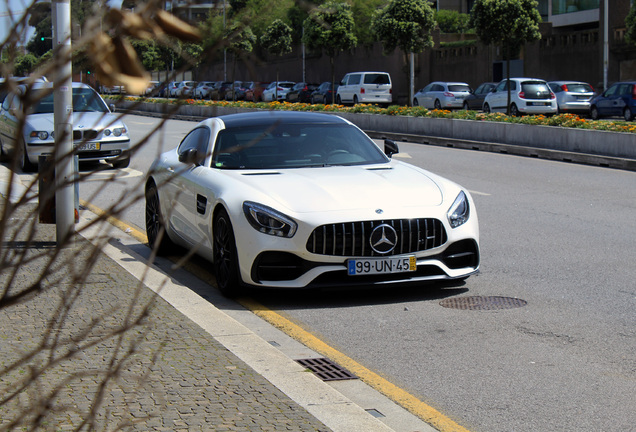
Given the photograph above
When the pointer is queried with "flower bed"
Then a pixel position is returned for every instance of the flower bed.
(561, 120)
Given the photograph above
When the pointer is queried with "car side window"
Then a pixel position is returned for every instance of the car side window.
(611, 91)
(501, 86)
(625, 90)
(438, 87)
(197, 139)
(354, 79)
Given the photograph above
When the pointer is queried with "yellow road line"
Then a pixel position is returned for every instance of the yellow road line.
(418, 408)
(133, 231)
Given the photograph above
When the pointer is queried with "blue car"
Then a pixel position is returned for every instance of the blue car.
(618, 100)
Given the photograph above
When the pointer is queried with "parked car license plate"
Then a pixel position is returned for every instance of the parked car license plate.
(88, 147)
(539, 103)
(370, 266)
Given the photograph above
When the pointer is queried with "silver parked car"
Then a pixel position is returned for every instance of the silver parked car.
(98, 134)
(442, 95)
(572, 96)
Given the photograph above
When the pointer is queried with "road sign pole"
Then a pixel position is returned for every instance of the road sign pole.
(63, 111)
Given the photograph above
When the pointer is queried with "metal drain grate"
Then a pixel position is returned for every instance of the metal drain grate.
(483, 303)
(326, 370)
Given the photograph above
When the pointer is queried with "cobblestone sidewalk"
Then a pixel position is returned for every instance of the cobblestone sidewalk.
(92, 349)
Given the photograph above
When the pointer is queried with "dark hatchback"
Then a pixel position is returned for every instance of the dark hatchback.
(618, 100)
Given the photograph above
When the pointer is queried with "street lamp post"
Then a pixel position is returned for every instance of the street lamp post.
(62, 116)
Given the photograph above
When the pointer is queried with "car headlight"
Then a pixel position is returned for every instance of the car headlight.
(40, 135)
(459, 212)
(268, 220)
(119, 131)
(107, 132)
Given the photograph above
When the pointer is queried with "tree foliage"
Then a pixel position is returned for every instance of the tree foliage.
(451, 21)
(277, 38)
(405, 24)
(330, 28)
(506, 23)
(630, 23)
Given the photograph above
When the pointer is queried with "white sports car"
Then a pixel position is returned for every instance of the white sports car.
(297, 199)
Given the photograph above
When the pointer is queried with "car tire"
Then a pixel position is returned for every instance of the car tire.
(25, 163)
(594, 113)
(465, 106)
(627, 114)
(514, 111)
(338, 100)
(437, 105)
(225, 255)
(486, 108)
(415, 102)
(122, 162)
(158, 239)
(355, 99)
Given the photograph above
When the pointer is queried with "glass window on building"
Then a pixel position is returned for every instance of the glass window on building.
(569, 6)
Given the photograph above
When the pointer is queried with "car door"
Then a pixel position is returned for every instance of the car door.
(607, 105)
(499, 98)
(353, 84)
(182, 188)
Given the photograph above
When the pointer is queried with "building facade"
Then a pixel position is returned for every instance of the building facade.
(572, 47)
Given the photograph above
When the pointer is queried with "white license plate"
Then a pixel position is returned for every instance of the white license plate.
(371, 266)
(88, 147)
(538, 103)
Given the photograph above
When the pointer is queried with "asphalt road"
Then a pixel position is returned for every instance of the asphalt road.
(561, 237)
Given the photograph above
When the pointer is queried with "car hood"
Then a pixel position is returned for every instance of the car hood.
(339, 188)
(81, 120)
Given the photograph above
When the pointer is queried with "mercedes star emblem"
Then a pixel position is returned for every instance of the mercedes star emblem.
(383, 239)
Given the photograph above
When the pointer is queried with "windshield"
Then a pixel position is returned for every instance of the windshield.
(458, 88)
(579, 88)
(377, 79)
(84, 100)
(294, 146)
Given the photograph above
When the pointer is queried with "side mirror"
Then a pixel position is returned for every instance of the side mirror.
(190, 156)
(390, 148)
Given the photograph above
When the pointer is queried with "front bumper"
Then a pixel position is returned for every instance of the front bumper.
(108, 150)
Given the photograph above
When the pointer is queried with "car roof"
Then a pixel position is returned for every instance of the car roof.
(567, 82)
(261, 118)
(46, 85)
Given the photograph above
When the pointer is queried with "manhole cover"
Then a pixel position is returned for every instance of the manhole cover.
(326, 370)
(482, 303)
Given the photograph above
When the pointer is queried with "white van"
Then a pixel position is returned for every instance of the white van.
(365, 87)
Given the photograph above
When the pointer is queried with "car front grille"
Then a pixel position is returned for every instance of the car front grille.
(88, 134)
(353, 238)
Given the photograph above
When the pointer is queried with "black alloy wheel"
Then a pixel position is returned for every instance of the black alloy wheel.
(514, 111)
(438, 105)
(155, 229)
(627, 114)
(415, 102)
(225, 256)
(487, 108)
